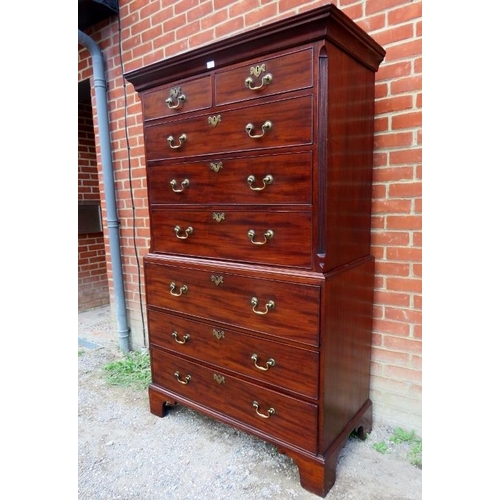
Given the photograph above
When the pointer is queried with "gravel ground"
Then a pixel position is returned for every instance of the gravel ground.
(127, 453)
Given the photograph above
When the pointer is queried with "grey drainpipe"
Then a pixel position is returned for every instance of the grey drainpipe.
(109, 187)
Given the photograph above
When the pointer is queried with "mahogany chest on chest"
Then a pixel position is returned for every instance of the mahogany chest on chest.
(259, 278)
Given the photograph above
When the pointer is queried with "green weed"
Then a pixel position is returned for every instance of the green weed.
(414, 442)
(134, 370)
(403, 438)
(381, 447)
(416, 453)
(400, 436)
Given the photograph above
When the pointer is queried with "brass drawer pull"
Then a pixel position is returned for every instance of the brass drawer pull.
(270, 412)
(265, 128)
(267, 236)
(182, 289)
(255, 302)
(266, 80)
(268, 179)
(189, 230)
(185, 338)
(182, 140)
(269, 363)
(173, 96)
(183, 382)
(184, 184)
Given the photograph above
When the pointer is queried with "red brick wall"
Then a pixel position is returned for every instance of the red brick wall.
(152, 30)
(93, 287)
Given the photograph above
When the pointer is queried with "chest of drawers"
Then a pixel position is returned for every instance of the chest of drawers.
(259, 278)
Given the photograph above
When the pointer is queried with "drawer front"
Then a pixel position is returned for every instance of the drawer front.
(275, 308)
(177, 98)
(279, 237)
(245, 180)
(291, 124)
(263, 77)
(276, 364)
(281, 416)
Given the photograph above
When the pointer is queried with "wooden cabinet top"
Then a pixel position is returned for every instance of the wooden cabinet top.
(323, 23)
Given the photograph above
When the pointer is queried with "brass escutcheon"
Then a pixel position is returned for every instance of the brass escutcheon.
(216, 166)
(219, 378)
(219, 216)
(214, 120)
(257, 71)
(218, 334)
(175, 95)
(218, 280)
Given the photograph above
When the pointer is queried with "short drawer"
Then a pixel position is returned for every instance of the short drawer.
(253, 180)
(282, 366)
(280, 416)
(264, 77)
(286, 122)
(278, 309)
(177, 98)
(275, 237)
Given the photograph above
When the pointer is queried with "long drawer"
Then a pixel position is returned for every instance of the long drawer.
(279, 237)
(245, 180)
(286, 122)
(284, 417)
(268, 306)
(274, 363)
